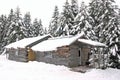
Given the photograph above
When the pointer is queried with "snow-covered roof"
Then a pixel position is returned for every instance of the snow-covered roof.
(93, 43)
(52, 44)
(24, 42)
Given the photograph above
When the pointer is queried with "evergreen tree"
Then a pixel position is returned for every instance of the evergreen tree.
(105, 21)
(3, 31)
(74, 7)
(16, 27)
(37, 28)
(11, 16)
(27, 25)
(45, 31)
(96, 10)
(66, 20)
(114, 43)
(82, 21)
(11, 20)
(54, 22)
(102, 12)
(40, 28)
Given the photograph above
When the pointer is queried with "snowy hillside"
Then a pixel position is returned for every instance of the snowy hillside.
(11, 70)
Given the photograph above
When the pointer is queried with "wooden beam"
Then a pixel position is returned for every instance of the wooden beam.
(38, 41)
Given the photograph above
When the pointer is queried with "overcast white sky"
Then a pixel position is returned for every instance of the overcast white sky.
(42, 9)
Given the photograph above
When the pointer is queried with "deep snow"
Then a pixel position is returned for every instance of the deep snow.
(11, 70)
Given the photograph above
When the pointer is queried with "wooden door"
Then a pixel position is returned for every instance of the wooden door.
(84, 55)
(31, 55)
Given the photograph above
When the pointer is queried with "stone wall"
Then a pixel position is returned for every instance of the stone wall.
(66, 55)
(74, 59)
(17, 55)
(51, 57)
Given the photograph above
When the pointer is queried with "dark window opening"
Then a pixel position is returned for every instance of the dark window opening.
(79, 53)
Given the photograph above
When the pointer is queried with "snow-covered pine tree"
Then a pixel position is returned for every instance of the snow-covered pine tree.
(82, 21)
(11, 20)
(54, 22)
(114, 42)
(41, 29)
(3, 31)
(45, 31)
(16, 27)
(27, 25)
(37, 28)
(97, 11)
(66, 20)
(74, 7)
(11, 16)
(103, 13)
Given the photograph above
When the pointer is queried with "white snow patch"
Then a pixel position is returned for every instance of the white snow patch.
(11, 70)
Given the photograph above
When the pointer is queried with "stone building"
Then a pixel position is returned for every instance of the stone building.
(70, 51)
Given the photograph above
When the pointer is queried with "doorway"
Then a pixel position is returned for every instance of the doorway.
(31, 55)
(80, 56)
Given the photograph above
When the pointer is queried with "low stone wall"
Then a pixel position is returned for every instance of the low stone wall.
(17, 55)
(68, 58)
(52, 58)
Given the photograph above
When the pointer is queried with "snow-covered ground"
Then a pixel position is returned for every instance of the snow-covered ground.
(11, 70)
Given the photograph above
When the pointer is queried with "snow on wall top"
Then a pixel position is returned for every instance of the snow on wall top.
(93, 43)
(52, 44)
(24, 42)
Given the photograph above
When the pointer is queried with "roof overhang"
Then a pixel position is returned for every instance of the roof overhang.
(92, 43)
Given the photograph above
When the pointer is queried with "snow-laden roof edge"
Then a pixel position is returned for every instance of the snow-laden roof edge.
(24, 42)
(93, 43)
(77, 37)
(53, 44)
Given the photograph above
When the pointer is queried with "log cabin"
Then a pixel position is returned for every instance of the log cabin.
(71, 51)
